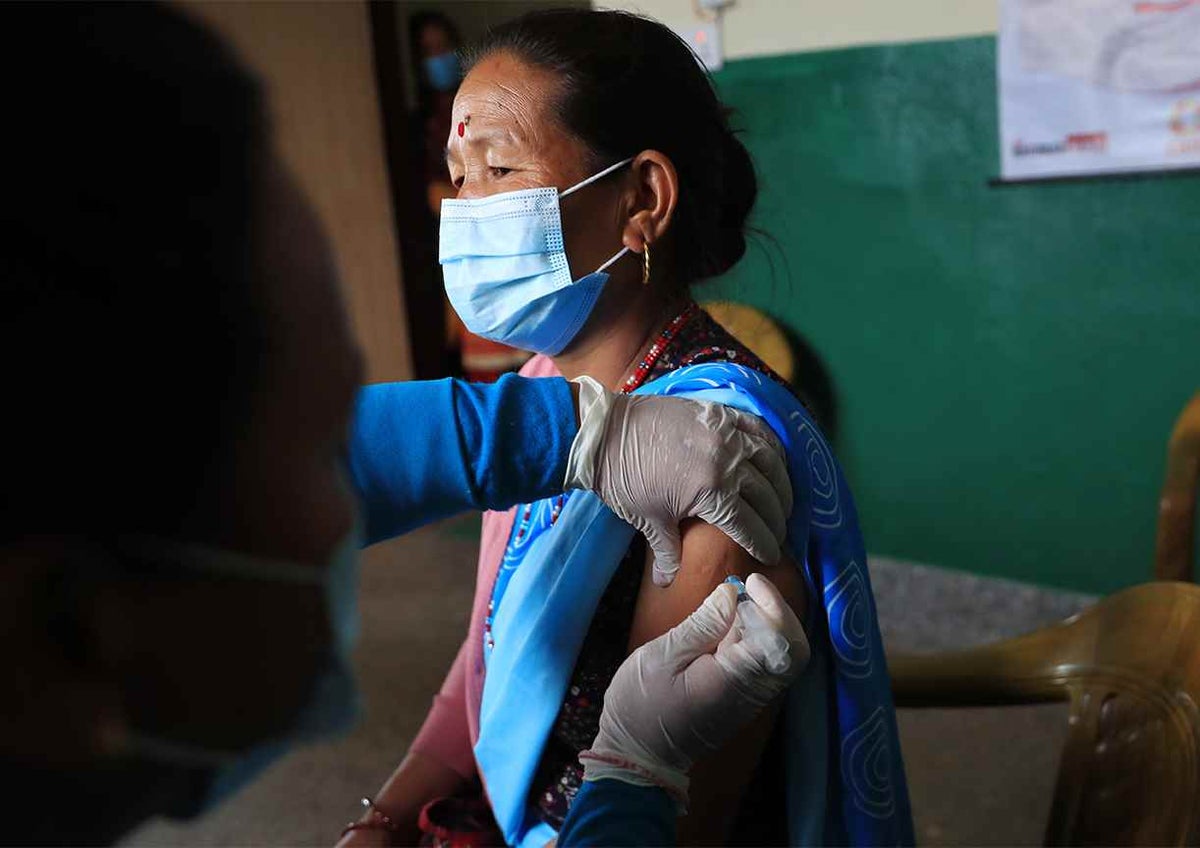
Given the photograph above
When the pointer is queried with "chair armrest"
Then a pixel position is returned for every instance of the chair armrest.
(982, 678)
(1027, 669)
(1174, 542)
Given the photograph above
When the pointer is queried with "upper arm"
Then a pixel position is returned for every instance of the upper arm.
(709, 556)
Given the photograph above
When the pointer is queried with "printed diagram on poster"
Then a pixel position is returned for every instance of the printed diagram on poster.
(1098, 86)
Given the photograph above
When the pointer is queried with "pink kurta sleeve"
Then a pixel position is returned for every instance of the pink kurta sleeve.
(452, 726)
(444, 735)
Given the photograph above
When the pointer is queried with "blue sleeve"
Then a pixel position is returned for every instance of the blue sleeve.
(421, 451)
(612, 812)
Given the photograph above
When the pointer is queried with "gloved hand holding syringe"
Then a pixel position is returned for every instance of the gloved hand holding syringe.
(689, 691)
(770, 645)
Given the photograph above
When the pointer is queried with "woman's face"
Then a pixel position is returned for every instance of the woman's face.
(505, 136)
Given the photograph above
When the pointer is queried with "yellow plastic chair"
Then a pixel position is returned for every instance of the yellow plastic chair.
(1130, 669)
(757, 332)
(1175, 544)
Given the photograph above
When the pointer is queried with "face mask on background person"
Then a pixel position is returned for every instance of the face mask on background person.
(442, 71)
(506, 272)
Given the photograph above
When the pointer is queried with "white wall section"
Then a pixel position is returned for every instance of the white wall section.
(766, 27)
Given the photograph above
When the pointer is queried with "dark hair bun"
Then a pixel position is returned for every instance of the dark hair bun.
(739, 191)
(631, 84)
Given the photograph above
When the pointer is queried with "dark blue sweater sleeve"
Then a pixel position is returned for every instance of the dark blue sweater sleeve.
(421, 451)
(612, 812)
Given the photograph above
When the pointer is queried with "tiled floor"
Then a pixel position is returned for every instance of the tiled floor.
(978, 777)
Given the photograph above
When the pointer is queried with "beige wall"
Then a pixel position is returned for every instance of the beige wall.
(317, 62)
(764, 27)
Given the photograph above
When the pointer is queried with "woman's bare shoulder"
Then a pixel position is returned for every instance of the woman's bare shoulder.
(709, 556)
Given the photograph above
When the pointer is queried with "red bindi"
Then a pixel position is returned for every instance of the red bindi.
(462, 129)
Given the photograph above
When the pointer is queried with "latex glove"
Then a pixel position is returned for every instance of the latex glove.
(655, 461)
(689, 691)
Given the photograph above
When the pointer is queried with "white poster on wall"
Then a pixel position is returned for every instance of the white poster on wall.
(1098, 86)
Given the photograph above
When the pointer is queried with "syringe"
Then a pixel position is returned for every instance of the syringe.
(754, 629)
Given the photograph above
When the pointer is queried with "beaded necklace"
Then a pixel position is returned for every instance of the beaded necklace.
(648, 362)
(526, 524)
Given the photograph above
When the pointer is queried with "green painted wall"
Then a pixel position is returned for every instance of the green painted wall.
(1008, 361)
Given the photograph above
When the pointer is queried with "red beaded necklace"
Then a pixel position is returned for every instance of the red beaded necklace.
(648, 362)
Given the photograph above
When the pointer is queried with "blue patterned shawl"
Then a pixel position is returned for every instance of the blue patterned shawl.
(845, 777)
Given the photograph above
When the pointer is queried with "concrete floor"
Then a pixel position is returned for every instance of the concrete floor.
(977, 777)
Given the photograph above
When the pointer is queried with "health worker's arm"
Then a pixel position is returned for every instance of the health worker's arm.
(615, 813)
(422, 451)
(425, 450)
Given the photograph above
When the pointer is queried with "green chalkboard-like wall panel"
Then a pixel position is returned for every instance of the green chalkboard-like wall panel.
(1008, 360)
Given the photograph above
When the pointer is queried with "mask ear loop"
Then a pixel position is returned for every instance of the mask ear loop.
(614, 258)
(594, 177)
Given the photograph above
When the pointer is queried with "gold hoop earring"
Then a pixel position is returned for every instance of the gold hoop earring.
(645, 263)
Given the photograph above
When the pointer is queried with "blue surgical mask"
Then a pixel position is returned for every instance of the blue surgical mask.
(442, 71)
(333, 702)
(506, 272)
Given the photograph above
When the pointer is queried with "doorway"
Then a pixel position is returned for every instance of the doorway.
(414, 103)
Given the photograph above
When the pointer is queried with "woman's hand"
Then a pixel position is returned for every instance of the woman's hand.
(418, 780)
(366, 837)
